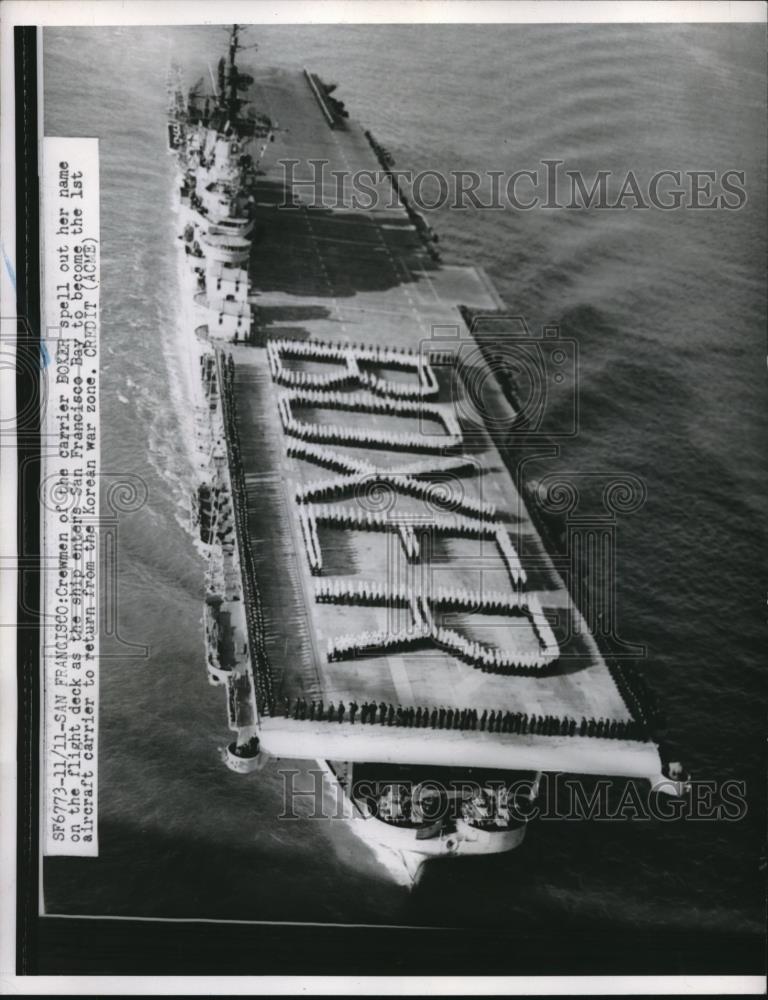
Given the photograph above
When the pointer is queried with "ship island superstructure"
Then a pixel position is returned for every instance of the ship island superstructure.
(378, 596)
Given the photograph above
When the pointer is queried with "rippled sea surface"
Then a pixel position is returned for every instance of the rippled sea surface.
(668, 311)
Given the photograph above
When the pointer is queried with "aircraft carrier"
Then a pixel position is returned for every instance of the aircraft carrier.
(378, 597)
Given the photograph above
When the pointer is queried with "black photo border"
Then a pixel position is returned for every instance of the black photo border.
(54, 945)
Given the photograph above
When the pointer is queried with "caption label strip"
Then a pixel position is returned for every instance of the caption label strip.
(70, 496)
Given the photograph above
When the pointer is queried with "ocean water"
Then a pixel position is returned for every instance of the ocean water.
(668, 312)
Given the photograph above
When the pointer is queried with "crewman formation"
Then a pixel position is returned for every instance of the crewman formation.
(378, 598)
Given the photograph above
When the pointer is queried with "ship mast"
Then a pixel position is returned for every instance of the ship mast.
(232, 75)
